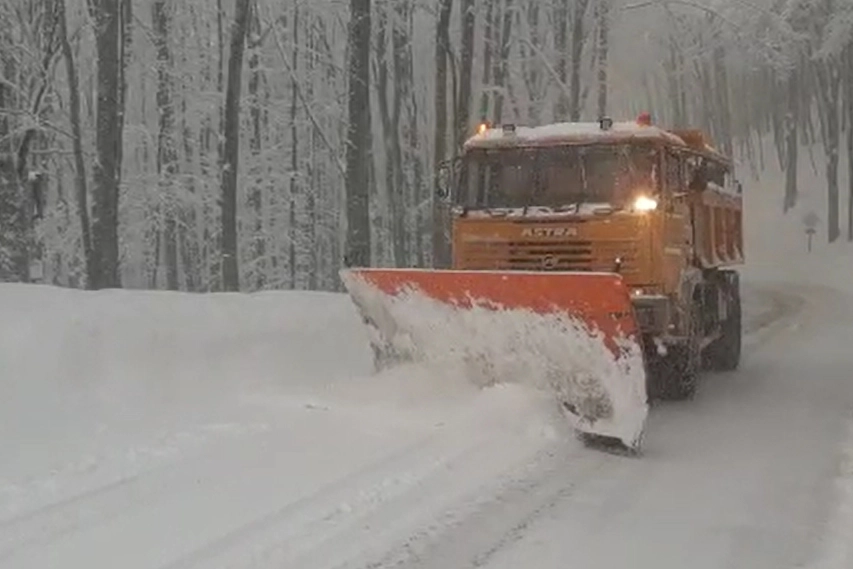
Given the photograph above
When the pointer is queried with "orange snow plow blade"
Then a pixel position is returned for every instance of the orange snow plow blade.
(573, 333)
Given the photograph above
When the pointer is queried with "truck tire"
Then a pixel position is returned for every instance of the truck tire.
(724, 353)
(676, 374)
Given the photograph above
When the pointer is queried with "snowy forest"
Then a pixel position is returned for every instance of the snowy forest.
(225, 145)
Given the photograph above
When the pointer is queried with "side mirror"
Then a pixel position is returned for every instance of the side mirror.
(676, 199)
(699, 183)
(444, 181)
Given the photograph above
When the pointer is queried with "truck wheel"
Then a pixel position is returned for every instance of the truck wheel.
(676, 374)
(724, 353)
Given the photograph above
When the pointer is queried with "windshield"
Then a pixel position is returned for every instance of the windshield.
(557, 177)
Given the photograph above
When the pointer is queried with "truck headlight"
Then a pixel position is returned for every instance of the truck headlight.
(645, 203)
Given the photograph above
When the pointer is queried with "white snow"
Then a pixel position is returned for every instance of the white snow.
(568, 132)
(838, 546)
(87, 374)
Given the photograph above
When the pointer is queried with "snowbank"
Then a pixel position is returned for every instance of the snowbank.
(138, 375)
(89, 337)
(130, 353)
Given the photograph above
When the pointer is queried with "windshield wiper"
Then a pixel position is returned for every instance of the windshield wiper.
(584, 184)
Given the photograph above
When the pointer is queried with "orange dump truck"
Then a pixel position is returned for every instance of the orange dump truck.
(594, 259)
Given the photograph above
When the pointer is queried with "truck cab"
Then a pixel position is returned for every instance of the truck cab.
(657, 207)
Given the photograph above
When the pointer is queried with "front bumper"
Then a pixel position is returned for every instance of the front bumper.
(653, 313)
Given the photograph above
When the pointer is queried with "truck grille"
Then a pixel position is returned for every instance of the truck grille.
(533, 255)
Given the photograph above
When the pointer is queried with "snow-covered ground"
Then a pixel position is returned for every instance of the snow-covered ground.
(161, 430)
(198, 430)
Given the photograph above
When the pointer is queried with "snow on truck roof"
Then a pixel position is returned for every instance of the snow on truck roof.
(568, 133)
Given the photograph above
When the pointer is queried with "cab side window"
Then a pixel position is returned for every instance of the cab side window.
(696, 174)
(674, 172)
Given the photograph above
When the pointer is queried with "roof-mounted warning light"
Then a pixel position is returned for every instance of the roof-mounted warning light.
(482, 127)
(509, 128)
(645, 119)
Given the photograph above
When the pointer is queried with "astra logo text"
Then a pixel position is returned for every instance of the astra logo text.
(549, 232)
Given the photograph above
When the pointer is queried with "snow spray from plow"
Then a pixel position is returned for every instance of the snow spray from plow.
(572, 333)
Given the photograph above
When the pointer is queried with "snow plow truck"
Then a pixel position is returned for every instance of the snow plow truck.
(595, 260)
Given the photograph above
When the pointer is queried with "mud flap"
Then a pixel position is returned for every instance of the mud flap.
(572, 333)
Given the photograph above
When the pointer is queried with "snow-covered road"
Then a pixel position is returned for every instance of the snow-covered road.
(748, 475)
(262, 452)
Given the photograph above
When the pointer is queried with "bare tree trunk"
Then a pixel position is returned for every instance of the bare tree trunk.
(578, 36)
(489, 41)
(231, 153)
(440, 241)
(107, 18)
(415, 154)
(388, 208)
(792, 121)
(703, 74)
(561, 33)
(358, 137)
(126, 49)
(603, 52)
(463, 117)
(829, 80)
(723, 108)
(213, 232)
(675, 72)
(672, 73)
(191, 258)
(391, 114)
(781, 106)
(400, 198)
(256, 197)
(14, 218)
(532, 70)
(314, 176)
(293, 221)
(167, 155)
(77, 142)
(502, 60)
(848, 97)
(410, 161)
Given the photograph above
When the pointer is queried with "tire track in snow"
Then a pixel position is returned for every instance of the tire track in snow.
(160, 457)
(470, 538)
(106, 503)
(60, 518)
(336, 523)
(763, 325)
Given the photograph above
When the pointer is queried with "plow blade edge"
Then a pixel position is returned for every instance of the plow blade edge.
(572, 333)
